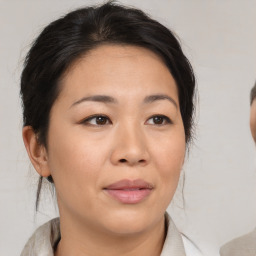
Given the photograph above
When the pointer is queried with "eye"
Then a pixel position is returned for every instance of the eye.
(97, 120)
(159, 120)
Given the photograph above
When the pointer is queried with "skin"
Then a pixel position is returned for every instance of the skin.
(84, 157)
(253, 119)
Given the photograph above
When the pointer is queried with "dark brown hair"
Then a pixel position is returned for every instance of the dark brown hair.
(253, 94)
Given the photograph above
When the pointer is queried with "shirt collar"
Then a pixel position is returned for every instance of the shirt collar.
(45, 239)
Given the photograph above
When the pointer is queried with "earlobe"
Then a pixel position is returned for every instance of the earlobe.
(36, 151)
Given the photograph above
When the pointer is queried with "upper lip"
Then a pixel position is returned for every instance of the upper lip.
(129, 184)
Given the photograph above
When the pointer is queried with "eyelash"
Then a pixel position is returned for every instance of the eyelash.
(88, 119)
(107, 120)
(166, 119)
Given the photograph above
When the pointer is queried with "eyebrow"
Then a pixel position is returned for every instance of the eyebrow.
(109, 99)
(96, 98)
(156, 97)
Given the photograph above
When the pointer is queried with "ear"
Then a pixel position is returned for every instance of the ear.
(36, 151)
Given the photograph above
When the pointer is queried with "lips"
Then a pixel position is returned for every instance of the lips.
(129, 191)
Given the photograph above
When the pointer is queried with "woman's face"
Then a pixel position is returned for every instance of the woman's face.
(116, 141)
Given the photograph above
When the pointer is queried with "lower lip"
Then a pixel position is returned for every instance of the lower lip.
(129, 196)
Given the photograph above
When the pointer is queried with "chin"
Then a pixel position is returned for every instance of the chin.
(126, 222)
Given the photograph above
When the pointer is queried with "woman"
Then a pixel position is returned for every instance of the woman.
(108, 110)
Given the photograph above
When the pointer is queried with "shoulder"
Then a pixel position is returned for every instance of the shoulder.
(43, 239)
(244, 245)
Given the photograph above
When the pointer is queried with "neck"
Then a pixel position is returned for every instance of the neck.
(78, 239)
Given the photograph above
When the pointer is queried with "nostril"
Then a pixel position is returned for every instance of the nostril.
(123, 160)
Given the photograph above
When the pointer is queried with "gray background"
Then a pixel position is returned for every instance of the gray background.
(219, 38)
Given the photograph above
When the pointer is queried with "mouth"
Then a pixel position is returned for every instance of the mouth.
(129, 191)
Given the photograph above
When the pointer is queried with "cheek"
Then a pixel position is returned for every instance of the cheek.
(74, 161)
(170, 150)
(169, 159)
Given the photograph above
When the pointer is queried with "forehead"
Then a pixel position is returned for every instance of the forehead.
(118, 68)
(253, 110)
(108, 56)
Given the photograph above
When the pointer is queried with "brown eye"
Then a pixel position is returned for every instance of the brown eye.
(159, 120)
(97, 120)
(101, 120)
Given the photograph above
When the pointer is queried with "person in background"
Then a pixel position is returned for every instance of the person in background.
(253, 112)
(246, 244)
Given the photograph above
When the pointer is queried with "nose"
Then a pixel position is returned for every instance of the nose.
(130, 147)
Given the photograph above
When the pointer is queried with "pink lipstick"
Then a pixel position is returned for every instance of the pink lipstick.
(129, 191)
